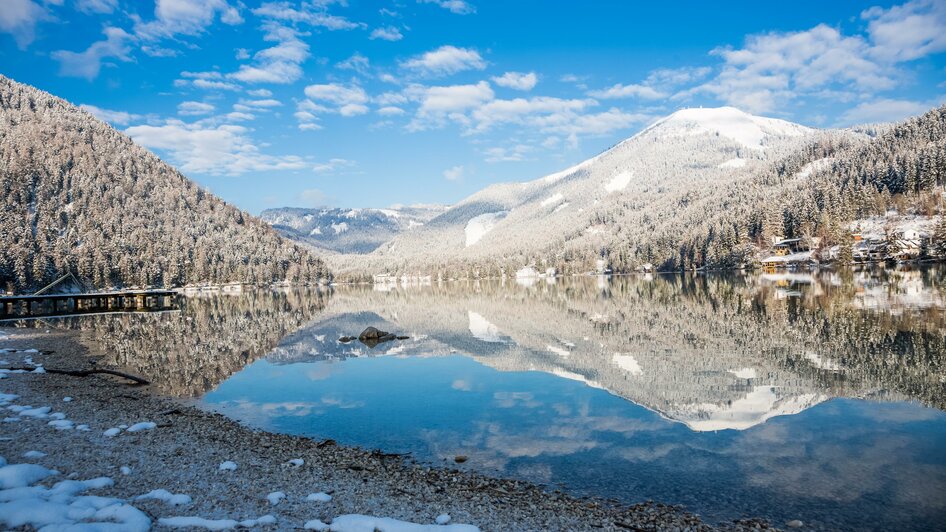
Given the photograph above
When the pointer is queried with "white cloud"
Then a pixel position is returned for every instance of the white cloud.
(445, 60)
(185, 17)
(194, 108)
(440, 103)
(352, 109)
(120, 118)
(19, 18)
(220, 149)
(908, 31)
(460, 7)
(207, 84)
(279, 63)
(97, 6)
(455, 97)
(475, 109)
(590, 124)
(278, 72)
(517, 80)
(311, 13)
(346, 100)
(332, 166)
(241, 54)
(883, 110)
(628, 91)
(502, 154)
(265, 103)
(236, 116)
(260, 93)
(87, 64)
(390, 110)
(392, 98)
(674, 77)
(387, 33)
(356, 62)
(210, 80)
(159, 51)
(454, 173)
(775, 68)
(337, 94)
(525, 111)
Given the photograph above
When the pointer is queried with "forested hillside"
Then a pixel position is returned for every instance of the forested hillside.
(702, 188)
(570, 219)
(76, 195)
(814, 192)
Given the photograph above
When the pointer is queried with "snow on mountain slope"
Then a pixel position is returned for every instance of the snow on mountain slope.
(690, 150)
(348, 230)
(480, 225)
(757, 406)
(748, 130)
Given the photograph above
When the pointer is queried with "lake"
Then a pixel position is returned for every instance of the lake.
(817, 397)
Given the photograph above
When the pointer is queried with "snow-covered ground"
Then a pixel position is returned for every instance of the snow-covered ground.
(894, 224)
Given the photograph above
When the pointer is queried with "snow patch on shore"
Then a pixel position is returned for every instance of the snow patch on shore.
(215, 524)
(174, 499)
(144, 425)
(62, 507)
(367, 523)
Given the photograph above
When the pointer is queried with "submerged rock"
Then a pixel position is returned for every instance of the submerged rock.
(370, 333)
(372, 337)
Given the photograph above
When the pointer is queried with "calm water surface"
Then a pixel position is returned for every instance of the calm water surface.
(794, 396)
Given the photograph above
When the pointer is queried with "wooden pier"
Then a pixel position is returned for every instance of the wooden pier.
(46, 305)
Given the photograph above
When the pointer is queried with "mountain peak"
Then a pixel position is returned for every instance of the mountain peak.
(740, 126)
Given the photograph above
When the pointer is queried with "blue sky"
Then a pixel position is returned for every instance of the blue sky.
(371, 104)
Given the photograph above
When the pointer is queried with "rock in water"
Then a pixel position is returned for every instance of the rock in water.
(370, 333)
(795, 523)
(372, 337)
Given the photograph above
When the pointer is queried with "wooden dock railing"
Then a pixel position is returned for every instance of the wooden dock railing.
(37, 306)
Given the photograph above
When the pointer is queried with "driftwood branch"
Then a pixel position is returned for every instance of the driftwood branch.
(87, 372)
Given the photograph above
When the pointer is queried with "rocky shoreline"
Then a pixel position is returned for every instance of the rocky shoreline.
(275, 481)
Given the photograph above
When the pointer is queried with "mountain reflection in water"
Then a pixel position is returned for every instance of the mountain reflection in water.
(809, 396)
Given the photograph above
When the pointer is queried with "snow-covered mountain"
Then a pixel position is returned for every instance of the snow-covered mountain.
(582, 207)
(353, 231)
